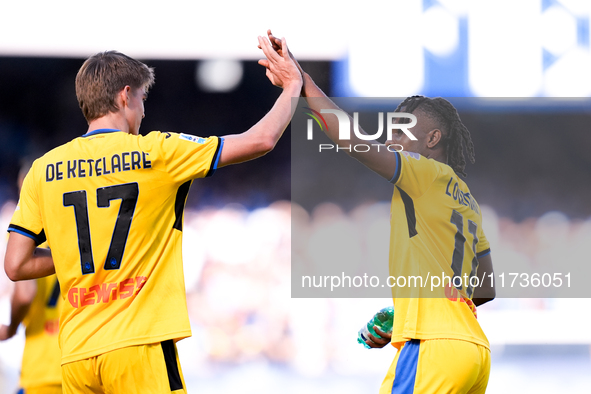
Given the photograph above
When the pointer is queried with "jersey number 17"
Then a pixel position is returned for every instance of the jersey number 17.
(128, 193)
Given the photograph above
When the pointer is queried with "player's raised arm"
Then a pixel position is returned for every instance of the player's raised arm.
(24, 261)
(379, 159)
(262, 137)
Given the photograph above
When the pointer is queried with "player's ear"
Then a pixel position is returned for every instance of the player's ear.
(433, 138)
(124, 95)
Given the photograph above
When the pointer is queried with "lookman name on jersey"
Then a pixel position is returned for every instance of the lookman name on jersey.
(462, 197)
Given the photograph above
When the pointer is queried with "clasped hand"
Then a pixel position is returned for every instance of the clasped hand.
(282, 70)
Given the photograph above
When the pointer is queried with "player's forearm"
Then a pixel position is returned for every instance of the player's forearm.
(17, 315)
(310, 89)
(483, 295)
(486, 292)
(271, 127)
(19, 266)
(22, 297)
(378, 159)
(318, 100)
(263, 136)
(480, 301)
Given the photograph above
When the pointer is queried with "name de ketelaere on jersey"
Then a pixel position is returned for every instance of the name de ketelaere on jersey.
(111, 207)
(436, 230)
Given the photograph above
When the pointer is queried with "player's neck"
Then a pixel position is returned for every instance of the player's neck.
(438, 155)
(113, 120)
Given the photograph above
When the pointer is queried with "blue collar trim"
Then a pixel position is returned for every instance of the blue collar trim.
(100, 131)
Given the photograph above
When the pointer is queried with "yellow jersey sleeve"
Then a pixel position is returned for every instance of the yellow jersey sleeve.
(414, 173)
(184, 156)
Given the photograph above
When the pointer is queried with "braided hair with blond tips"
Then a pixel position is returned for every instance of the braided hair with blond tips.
(455, 136)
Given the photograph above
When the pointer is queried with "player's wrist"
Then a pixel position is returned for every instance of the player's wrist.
(293, 87)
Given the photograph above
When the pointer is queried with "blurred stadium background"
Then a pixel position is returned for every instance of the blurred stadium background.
(532, 174)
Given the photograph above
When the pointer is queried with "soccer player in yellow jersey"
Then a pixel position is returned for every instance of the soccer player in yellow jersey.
(36, 303)
(110, 204)
(436, 229)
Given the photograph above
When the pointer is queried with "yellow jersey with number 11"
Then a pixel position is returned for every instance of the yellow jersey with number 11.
(436, 235)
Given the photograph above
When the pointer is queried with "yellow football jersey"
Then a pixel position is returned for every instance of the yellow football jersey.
(111, 207)
(436, 235)
(41, 357)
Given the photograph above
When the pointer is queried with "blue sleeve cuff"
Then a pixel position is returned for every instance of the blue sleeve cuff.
(216, 157)
(485, 252)
(38, 238)
(397, 170)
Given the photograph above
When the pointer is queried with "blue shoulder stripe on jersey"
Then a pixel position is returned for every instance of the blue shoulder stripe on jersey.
(216, 157)
(397, 172)
(406, 368)
(100, 131)
(485, 252)
(38, 238)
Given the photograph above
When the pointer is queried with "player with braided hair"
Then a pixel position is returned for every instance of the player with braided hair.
(455, 135)
(436, 229)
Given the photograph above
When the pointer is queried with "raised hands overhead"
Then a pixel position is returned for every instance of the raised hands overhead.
(282, 71)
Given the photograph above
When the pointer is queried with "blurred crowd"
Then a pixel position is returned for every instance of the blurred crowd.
(238, 270)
